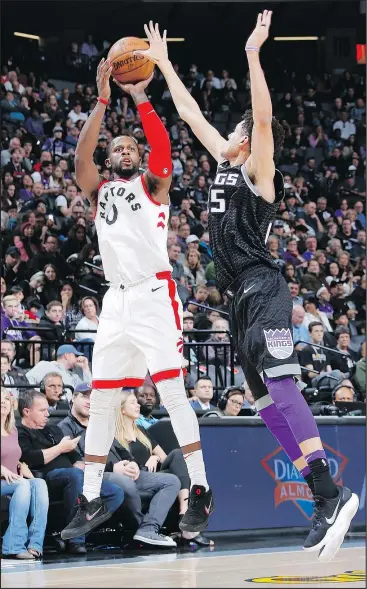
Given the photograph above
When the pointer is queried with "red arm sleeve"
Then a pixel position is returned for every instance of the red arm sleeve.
(160, 162)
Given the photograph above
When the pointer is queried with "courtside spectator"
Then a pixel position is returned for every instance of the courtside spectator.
(53, 456)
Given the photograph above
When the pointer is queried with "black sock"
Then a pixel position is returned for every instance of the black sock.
(323, 484)
(309, 480)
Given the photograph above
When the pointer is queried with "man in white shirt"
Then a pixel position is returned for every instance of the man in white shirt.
(64, 204)
(76, 114)
(17, 87)
(346, 127)
(210, 77)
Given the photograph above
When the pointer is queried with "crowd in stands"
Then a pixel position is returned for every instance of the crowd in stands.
(53, 283)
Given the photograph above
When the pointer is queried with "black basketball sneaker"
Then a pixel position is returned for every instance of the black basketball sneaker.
(330, 522)
(90, 514)
(201, 505)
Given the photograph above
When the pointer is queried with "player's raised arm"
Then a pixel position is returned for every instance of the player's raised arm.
(158, 177)
(187, 107)
(87, 175)
(260, 164)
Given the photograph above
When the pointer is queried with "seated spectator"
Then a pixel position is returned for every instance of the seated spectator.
(203, 394)
(323, 297)
(344, 392)
(8, 348)
(51, 255)
(193, 270)
(318, 360)
(53, 389)
(147, 398)
(344, 362)
(231, 404)
(28, 507)
(51, 284)
(14, 270)
(10, 320)
(153, 460)
(72, 313)
(53, 456)
(313, 314)
(52, 322)
(201, 294)
(300, 331)
(217, 354)
(294, 289)
(89, 308)
(7, 379)
(65, 202)
(312, 280)
(292, 254)
(71, 364)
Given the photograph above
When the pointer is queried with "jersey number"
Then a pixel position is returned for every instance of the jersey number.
(217, 201)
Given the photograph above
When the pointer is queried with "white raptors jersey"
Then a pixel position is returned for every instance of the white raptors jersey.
(132, 231)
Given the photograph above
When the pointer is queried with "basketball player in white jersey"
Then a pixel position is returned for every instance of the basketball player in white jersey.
(140, 326)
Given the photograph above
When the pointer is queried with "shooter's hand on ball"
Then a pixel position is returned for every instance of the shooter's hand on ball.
(261, 31)
(135, 88)
(103, 79)
(157, 51)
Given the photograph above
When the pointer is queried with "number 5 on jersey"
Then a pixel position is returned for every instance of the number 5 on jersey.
(217, 201)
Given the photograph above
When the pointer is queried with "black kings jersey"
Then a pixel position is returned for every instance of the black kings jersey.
(239, 222)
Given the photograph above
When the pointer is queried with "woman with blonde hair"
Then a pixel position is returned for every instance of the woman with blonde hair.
(164, 476)
(192, 268)
(29, 496)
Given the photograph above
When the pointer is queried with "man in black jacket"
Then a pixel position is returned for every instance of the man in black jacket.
(52, 256)
(53, 456)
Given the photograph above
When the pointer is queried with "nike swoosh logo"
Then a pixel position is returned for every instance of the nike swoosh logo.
(90, 517)
(333, 517)
(245, 290)
(154, 289)
(207, 509)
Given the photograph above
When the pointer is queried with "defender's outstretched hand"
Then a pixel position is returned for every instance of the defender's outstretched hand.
(157, 51)
(261, 31)
(135, 88)
(103, 78)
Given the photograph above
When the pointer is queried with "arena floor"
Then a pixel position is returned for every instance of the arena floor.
(261, 562)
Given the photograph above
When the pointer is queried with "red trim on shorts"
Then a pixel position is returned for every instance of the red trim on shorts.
(172, 291)
(151, 198)
(119, 382)
(165, 375)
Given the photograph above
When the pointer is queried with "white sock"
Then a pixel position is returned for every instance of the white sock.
(99, 437)
(195, 466)
(185, 425)
(93, 477)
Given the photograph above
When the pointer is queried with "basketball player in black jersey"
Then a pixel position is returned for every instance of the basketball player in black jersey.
(244, 199)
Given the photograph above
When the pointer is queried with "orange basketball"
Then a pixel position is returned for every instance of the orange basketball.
(127, 67)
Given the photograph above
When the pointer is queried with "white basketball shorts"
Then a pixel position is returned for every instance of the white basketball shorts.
(140, 329)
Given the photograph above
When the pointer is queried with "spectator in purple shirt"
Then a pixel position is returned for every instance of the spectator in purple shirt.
(9, 320)
(55, 144)
(34, 124)
(292, 254)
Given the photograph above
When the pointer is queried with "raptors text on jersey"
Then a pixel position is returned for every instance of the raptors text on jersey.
(132, 231)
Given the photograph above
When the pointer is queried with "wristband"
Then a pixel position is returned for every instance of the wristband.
(103, 100)
(250, 48)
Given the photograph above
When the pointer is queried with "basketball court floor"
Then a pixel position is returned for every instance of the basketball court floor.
(258, 562)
